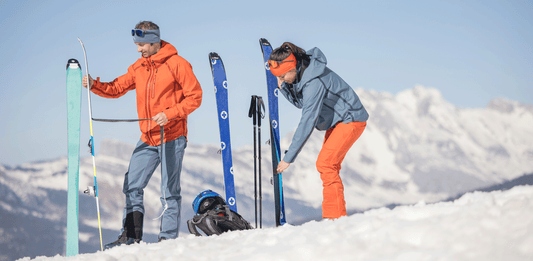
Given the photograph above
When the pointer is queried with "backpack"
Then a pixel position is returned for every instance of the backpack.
(213, 216)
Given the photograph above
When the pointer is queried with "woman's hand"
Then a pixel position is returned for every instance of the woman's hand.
(282, 166)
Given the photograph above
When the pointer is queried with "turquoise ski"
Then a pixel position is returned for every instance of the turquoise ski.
(74, 88)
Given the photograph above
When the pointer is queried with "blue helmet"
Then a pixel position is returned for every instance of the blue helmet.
(213, 200)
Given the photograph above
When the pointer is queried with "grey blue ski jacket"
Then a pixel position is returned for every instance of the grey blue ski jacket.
(325, 99)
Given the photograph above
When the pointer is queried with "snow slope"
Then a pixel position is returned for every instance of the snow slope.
(477, 226)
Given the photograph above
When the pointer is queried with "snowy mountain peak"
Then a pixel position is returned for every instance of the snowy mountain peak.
(424, 93)
(507, 106)
(424, 101)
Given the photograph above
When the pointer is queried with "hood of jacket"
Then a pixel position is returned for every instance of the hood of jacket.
(316, 67)
(167, 50)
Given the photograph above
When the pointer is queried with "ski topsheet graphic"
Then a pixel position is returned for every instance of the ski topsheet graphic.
(273, 91)
(221, 93)
(73, 141)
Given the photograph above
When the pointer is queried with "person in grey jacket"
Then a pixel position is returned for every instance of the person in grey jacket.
(328, 104)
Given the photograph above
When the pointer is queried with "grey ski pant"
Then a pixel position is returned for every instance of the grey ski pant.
(143, 163)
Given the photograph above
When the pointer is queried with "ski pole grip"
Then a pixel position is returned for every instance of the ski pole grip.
(259, 103)
(252, 112)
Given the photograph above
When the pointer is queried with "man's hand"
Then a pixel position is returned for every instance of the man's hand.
(282, 166)
(84, 81)
(161, 119)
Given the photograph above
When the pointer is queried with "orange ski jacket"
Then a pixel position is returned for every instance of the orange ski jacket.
(164, 82)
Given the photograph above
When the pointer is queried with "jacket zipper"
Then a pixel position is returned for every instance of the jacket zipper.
(148, 91)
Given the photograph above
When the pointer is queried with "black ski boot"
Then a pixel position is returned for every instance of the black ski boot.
(123, 239)
(133, 230)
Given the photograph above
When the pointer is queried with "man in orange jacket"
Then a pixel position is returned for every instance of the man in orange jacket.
(167, 92)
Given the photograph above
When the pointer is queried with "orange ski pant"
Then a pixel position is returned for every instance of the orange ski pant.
(338, 140)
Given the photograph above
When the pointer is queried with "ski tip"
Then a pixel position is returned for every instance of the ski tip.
(213, 59)
(264, 41)
(73, 63)
(213, 55)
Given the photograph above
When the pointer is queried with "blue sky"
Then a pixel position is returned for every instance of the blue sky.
(472, 51)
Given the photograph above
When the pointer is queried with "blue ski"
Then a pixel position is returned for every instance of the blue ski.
(73, 141)
(273, 91)
(221, 93)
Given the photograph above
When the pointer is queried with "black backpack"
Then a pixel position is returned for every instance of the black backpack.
(213, 216)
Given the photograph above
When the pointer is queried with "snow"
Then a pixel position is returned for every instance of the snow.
(478, 226)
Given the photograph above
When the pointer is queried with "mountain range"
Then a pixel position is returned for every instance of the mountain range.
(416, 147)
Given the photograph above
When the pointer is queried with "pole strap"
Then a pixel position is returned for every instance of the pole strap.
(120, 120)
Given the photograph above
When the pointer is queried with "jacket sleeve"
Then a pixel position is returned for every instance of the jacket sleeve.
(117, 87)
(313, 96)
(289, 95)
(192, 92)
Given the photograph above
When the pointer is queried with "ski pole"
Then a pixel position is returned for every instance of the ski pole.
(162, 137)
(252, 114)
(260, 115)
(163, 160)
(256, 108)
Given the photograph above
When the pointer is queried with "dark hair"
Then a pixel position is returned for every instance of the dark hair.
(279, 54)
(147, 25)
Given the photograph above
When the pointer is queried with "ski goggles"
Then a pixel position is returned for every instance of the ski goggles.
(278, 68)
(145, 36)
